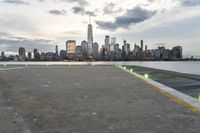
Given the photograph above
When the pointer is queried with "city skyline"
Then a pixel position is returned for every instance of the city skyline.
(56, 21)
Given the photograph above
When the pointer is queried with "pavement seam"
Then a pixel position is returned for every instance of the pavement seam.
(15, 68)
(165, 93)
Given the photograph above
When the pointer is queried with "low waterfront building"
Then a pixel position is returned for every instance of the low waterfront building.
(63, 54)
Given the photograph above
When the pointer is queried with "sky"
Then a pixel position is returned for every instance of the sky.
(43, 24)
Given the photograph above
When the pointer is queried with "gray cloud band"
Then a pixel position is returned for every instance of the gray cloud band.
(11, 44)
(190, 2)
(133, 16)
(57, 12)
(82, 11)
(17, 2)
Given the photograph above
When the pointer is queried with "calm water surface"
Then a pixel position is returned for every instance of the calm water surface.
(182, 67)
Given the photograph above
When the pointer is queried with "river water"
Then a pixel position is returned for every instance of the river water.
(190, 67)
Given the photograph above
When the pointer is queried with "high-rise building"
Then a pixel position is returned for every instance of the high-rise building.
(116, 52)
(2, 57)
(103, 52)
(112, 45)
(84, 45)
(113, 40)
(36, 55)
(56, 50)
(156, 54)
(124, 42)
(136, 48)
(176, 53)
(71, 49)
(2, 54)
(29, 55)
(142, 45)
(145, 47)
(107, 40)
(79, 50)
(95, 50)
(22, 54)
(79, 53)
(126, 48)
(90, 39)
(107, 43)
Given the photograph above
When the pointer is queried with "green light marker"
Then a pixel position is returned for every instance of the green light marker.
(146, 76)
(199, 97)
(131, 70)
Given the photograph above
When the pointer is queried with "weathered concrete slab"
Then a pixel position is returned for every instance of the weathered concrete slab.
(84, 99)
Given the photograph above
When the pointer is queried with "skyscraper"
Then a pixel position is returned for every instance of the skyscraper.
(22, 54)
(56, 50)
(36, 54)
(84, 45)
(107, 42)
(112, 45)
(113, 40)
(95, 50)
(145, 47)
(29, 55)
(142, 45)
(90, 39)
(2, 54)
(2, 57)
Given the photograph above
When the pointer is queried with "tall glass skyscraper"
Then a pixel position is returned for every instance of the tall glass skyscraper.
(90, 39)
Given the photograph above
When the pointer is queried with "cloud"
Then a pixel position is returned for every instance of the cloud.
(133, 16)
(89, 13)
(80, 2)
(57, 12)
(190, 2)
(4, 34)
(82, 11)
(11, 44)
(111, 8)
(16, 23)
(78, 10)
(17, 2)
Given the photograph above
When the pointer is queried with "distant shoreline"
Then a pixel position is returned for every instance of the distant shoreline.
(183, 60)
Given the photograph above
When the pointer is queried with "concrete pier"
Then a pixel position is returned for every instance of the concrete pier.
(86, 99)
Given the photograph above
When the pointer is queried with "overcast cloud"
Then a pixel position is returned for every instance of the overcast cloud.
(57, 12)
(132, 16)
(33, 23)
(17, 2)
